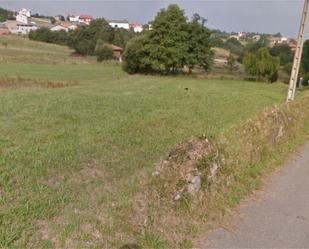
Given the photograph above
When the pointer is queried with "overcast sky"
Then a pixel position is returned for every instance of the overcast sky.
(267, 16)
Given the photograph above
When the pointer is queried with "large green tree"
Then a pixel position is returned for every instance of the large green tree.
(168, 47)
(199, 51)
(172, 45)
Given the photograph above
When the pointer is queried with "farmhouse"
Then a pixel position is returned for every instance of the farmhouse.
(4, 30)
(59, 28)
(85, 19)
(137, 27)
(66, 26)
(73, 18)
(239, 36)
(24, 29)
(119, 24)
(278, 40)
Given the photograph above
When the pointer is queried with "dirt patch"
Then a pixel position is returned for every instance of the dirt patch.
(19, 82)
(91, 171)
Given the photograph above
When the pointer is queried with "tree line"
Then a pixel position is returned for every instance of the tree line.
(85, 40)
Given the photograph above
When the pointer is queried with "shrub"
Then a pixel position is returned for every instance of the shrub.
(104, 52)
(262, 65)
(134, 55)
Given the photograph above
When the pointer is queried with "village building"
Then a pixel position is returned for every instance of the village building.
(119, 24)
(73, 18)
(86, 19)
(66, 26)
(278, 40)
(239, 36)
(23, 16)
(24, 29)
(59, 28)
(136, 27)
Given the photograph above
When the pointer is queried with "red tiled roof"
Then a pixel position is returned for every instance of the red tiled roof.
(85, 17)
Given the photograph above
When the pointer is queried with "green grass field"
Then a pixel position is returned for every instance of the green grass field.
(71, 158)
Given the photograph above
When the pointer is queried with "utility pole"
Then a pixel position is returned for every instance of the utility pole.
(298, 53)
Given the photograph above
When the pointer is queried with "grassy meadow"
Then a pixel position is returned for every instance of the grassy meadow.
(71, 157)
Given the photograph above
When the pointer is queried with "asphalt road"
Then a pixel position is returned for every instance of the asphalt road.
(277, 217)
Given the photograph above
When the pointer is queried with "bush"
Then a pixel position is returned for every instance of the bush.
(262, 65)
(46, 35)
(104, 52)
(134, 55)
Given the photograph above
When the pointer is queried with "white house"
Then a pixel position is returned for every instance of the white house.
(64, 26)
(73, 18)
(22, 19)
(24, 29)
(279, 40)
(119, 24)
(137, 27)
(86, 19)
(23, 16)
(59, 28)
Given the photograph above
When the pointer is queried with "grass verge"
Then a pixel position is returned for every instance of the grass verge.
(201, 180)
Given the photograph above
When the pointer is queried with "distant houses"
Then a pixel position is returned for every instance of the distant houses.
(239, 36)
(66, 26)
(136, 27)
(119, 24)
(25, 22)
(86, 19)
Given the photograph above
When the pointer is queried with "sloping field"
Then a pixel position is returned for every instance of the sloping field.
(71, 158)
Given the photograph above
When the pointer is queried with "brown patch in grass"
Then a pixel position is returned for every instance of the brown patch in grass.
(91, 171)
(19, 82)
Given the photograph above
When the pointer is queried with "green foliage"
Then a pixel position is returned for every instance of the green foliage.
(46, 35)
(167, 44)
(6, 15)
(52, 20)
(199, 52)
(134, 56)
(262, 65)
(231, 64)
(172, 45)
(305, 58)
(284, 52)
(84, 39)
(234, 46)
(103, 51)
